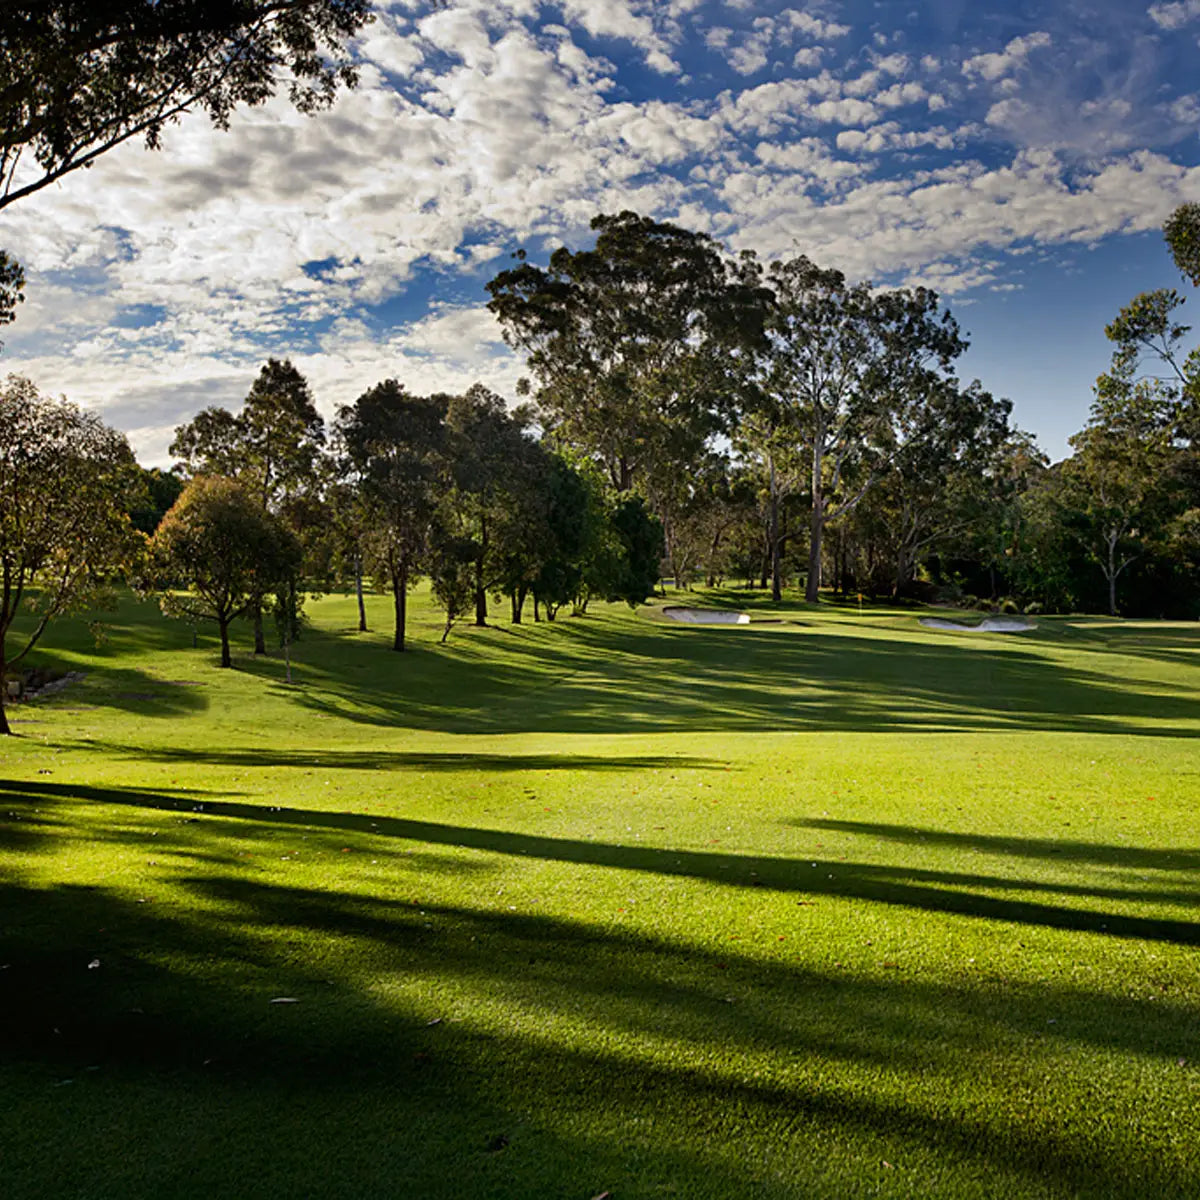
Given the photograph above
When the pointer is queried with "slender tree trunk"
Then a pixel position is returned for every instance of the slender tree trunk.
(537, 615)
(4, 726)
(1112, 577)
(812, 591)
(624, 476)
(226, 657)
(358, 592)
(400, 603)
(260, 641)
(776, 564)
(481, 612)
(518, 602)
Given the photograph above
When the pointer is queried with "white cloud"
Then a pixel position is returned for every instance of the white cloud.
(995, 66)
(1176, 15)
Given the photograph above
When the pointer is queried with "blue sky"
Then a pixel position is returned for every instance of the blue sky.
(1019, 157)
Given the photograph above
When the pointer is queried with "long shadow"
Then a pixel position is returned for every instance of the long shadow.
(175, 1023)
(1062, 850)
(407, 760)
(957, 893)
(600, 674)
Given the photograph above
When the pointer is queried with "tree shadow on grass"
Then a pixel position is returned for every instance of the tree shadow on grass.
(408, 760)
(612, 676)
(952, 892)
(1059, 849)
(621, 1060)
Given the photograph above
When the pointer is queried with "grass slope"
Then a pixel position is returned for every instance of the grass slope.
(837, 906)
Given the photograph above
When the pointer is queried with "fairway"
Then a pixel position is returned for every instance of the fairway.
(829, 905)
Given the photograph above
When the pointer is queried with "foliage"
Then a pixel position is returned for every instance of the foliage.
(12, 288)
(223, 546)
(391, 445)
(1182, 231)
(850, 370)
(630, 342)
(78, 79)
(150, 502)
(63, 526)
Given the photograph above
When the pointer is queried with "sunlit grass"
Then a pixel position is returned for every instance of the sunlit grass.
(832, 907)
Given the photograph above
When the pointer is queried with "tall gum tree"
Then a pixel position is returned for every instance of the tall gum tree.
(850, 365)
(390, 448)
(630, 343)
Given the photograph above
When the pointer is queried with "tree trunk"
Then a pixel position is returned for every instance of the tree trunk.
(537, 615)
(776, 565)
(226, 657)
(400, 603)
(624, 475)
(481, 613)
(358, 591)
(4, 726)
(518, 602)
(260, 642)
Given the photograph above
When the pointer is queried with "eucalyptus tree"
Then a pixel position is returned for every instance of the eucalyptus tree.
(65, 478)
(630, 343)
(392, 447)
(850, 365)
(486, 455)
(1117, 485)
(948, 443)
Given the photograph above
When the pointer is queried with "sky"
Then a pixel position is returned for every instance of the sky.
(1018, 157)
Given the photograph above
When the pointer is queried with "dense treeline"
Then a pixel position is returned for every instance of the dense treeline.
(691, 416)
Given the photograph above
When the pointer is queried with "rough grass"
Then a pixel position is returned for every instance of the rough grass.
(838, 906)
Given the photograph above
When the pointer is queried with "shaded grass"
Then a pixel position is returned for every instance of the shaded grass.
(833, 909)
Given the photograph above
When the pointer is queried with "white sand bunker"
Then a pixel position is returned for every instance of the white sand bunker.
(706, 616)
(987, 625)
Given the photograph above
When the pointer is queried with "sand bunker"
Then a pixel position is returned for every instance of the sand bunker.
(706, 616)
(987, 625)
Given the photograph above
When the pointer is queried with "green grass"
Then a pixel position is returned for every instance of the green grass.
(831, 907)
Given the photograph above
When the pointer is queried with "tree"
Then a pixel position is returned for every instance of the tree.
(159, 490)
(948, 443)
(64, 477)
(629, 342)
(1182, 231)
(12, 288)
(391, 444)
(272, 447)
(852, 364)
(1115, 485)
(225, 548)
(485, 453)
(77, 79)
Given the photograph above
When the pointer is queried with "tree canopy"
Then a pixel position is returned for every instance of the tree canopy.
(64, 480)
(225, 547)
(78, 77)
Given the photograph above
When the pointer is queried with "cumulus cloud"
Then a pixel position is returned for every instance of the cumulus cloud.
(996, 66)
(356, 242)
(1176, 15)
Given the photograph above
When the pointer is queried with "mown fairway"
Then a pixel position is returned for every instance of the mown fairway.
(833, 907)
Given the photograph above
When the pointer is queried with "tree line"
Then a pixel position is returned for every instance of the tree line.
(687, 414)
